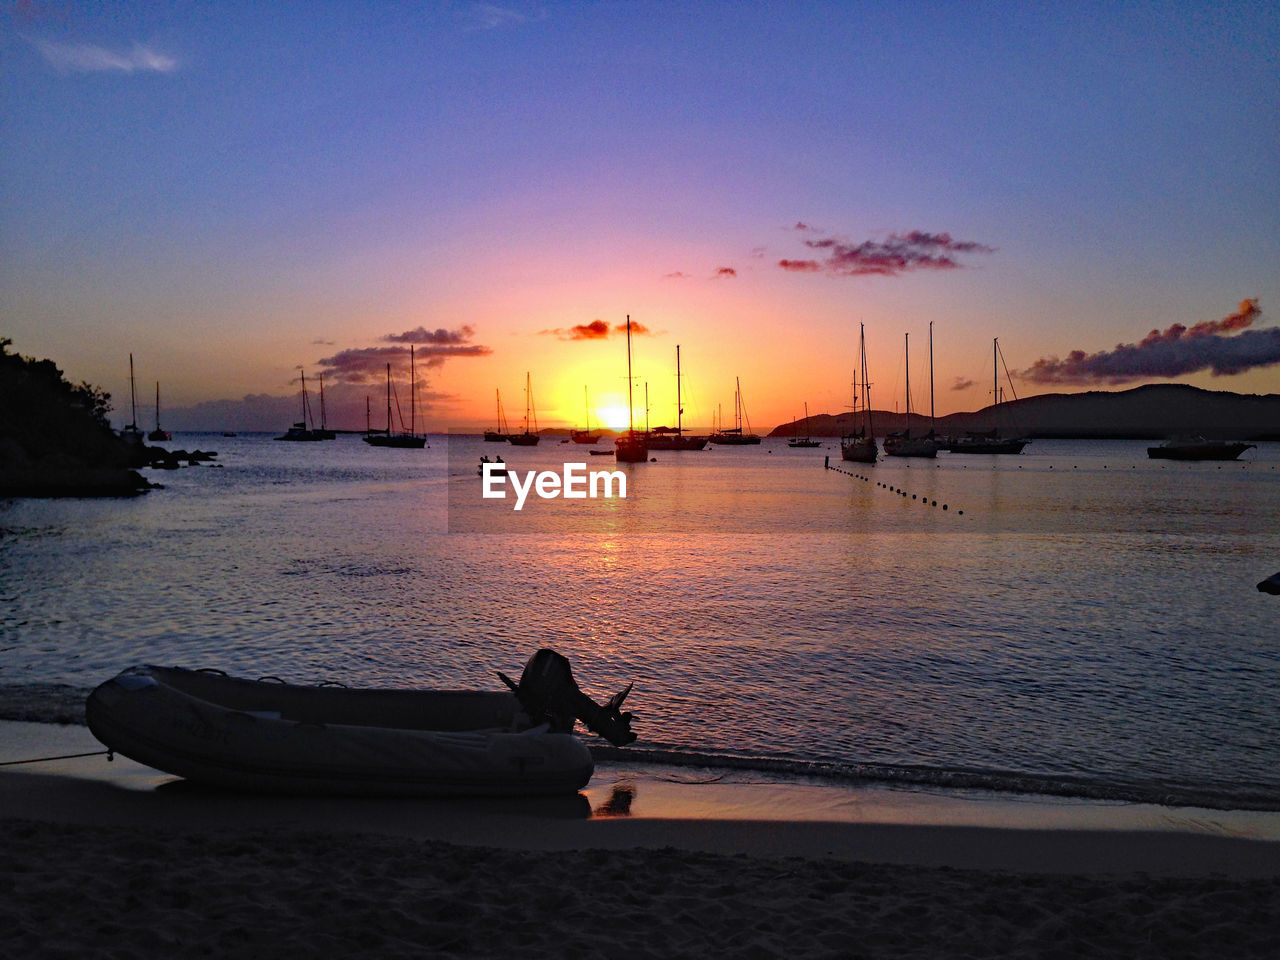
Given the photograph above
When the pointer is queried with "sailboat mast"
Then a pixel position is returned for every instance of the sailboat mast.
(157, 404)
(737, 403)
(995, 376)
(323, 422)
(931, 413)
(646, 406)
(133, 394)
(413, 396)
(679, 402)
(586, 403)
(866, 386)
(631, 426)
(388, 399)
(906, 337)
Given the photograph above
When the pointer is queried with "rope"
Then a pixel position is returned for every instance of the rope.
(67, 756)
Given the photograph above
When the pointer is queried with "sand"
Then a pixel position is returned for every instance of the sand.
(79, 891)
(132, 864)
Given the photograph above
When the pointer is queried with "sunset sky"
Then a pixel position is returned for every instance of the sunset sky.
(232, 191)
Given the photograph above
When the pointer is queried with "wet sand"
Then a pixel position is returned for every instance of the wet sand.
(115, 860)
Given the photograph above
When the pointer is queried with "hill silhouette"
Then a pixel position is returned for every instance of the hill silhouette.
(54, 436)
(1155, 411)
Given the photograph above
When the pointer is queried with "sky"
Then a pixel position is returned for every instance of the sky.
(237, 193)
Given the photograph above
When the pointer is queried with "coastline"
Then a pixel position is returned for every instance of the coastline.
(647, 806)
(119, 858)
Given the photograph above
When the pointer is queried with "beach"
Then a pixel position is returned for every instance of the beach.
(861, 733)
(116, 860)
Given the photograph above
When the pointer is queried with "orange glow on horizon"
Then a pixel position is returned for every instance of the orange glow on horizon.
(613, 417)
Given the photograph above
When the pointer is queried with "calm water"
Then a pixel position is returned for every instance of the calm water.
(1080, 620)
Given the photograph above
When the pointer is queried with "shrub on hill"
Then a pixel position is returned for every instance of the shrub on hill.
(54, 436)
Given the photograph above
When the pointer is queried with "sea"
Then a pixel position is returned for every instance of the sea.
(1077, 621)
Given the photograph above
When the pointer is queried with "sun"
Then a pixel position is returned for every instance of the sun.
(615, 418)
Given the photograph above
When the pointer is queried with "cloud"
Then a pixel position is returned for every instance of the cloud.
(1223, 347)
(439, 336)
(369, 364)
(962, 383)
(722, 273)
(345, 408)
(431, 349)
(800, 266)
(491, 16)
(595, 330)
(899, 253)
(87, 58)
(348, 377)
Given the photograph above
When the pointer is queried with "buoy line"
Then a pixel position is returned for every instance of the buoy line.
(826, 465)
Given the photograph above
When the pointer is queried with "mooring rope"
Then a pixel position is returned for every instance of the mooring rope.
(65, 756)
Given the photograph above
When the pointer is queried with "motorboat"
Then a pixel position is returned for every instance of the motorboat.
(1198, 448)
(268, 736)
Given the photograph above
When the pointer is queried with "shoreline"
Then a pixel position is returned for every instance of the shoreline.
(645, 806)
(122, 860)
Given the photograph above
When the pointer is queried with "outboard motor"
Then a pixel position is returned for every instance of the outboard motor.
(549, 694)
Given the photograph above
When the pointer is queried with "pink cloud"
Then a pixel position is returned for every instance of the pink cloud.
(1223, 347)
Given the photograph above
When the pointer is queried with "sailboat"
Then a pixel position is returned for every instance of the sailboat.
(991, 441)
(805, 441)
(528, 438)
(300, 430)
(631, 447)
(663, 438)
(131, 433)
(734, 436)
(323, 431)
(860, 447)
(903, 444)
(586, 436)
(500, 434)
(410, 440)
(157, 433)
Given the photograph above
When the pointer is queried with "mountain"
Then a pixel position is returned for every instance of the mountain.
(1154, 411)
